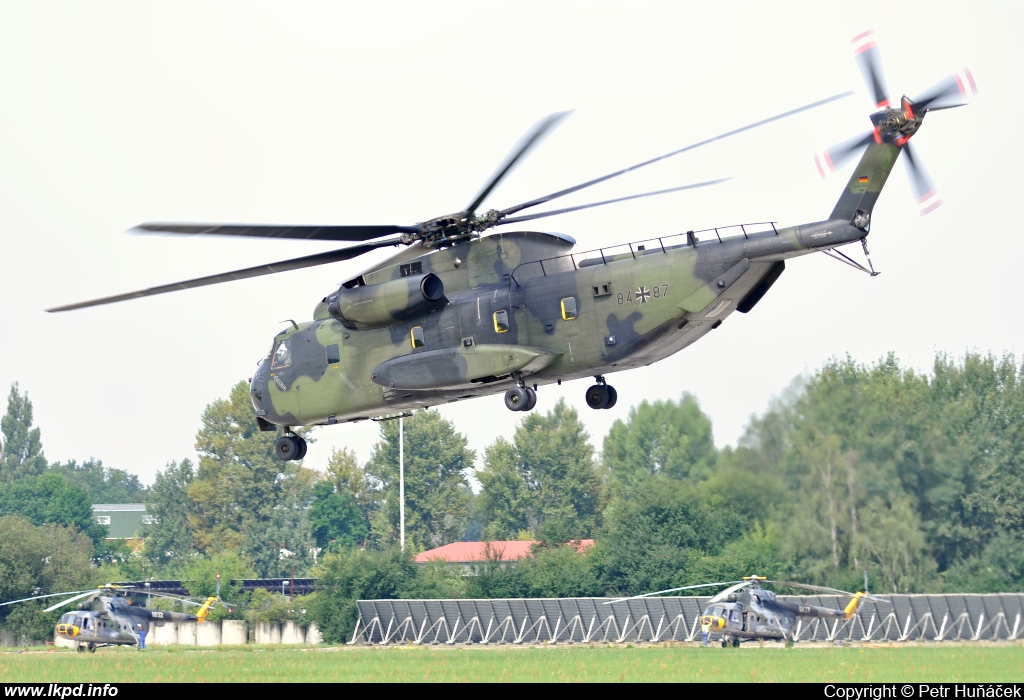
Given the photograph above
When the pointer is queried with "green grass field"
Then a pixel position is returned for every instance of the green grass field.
(963, 663)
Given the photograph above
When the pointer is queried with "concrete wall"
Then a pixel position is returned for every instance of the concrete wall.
(235, 632)
(232, 632)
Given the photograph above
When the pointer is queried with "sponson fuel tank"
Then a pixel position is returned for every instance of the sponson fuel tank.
(380, 305)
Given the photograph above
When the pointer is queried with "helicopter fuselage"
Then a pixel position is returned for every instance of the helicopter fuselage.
(758, 614)
(519, 308)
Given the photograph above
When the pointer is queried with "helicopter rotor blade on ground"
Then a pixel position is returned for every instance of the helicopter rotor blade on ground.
(267, 269)
(72, 599)
(523, 147)
(603, 178)
(541, 215)
(48, 595)
(307, 233)
(722, 595)
(671, 590)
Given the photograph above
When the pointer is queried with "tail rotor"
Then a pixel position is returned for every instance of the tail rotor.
(897, 125)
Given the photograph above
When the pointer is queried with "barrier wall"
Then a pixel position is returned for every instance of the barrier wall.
(954, 617)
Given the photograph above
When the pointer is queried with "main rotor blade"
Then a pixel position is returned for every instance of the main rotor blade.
(671, 590)
(733, 132)
(268, 269)
(920, 183)
(71, 600)
(48, 595)
(870, 63)
(529, 141)
(721, 595)
(820, 589)
(311, 233)
(541, 215)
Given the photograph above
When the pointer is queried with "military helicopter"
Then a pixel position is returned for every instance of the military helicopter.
(106, 617)
(456, 314)
(746, 612)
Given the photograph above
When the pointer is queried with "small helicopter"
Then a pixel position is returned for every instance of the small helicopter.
(456, 315)
(746, 612)
(107, 618)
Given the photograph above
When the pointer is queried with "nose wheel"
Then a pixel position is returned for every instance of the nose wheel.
(601, 395)
(289, 447)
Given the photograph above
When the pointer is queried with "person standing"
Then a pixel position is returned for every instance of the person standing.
(705, 628)
(142, 637)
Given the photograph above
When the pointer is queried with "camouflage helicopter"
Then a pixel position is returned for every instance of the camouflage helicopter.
(746, 612)
(456, 314)
(106, 617)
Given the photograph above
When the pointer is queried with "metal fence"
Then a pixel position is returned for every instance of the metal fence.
(954, 617)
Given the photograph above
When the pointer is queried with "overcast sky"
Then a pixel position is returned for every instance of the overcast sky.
(116, 113)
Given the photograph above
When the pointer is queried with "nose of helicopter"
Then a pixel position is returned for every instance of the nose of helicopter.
(258, 386)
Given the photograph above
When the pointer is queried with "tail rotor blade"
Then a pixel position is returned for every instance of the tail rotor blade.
(834, 158)
(952, 89)
(869, 61)
(920, 183)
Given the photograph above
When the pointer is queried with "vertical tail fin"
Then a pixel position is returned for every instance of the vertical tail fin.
(854, 603)
(204, 611)
(861, 193)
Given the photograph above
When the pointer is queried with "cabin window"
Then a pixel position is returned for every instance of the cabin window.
(103, 519)
(416, 337)
(501, 321)
(569, 308)
(333, 354)
(282, 355)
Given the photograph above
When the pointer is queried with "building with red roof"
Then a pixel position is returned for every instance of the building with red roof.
(467, 553)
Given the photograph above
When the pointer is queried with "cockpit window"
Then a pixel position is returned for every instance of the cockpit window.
(282, 355)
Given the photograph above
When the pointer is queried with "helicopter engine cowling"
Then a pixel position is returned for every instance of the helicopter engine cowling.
(380, 305)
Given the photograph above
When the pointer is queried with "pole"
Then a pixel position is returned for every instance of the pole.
(218, 585)
(401, 482)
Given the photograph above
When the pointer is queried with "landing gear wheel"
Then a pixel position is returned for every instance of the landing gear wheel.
(302, 448)
(92, 648)
(725, 644)
(287, 446)
(80, 648)
(736, 643)
(597, 396)
(613, 395)
(516, 399)
(531, 400)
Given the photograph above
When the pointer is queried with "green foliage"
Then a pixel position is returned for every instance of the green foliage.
(437, 493)
(50, 498)
(265, 606)
(243, 498)
(169, 537)
(36, 560)
(336, 519)
(103, 484)
(653, 538)
(563, 572)
(347, 576)
(21, 451)
(200, 576)
(545, 481)
(665, 437)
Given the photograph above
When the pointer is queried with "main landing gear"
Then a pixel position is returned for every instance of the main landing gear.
(522, 397)
(601, 395)
(289, 447)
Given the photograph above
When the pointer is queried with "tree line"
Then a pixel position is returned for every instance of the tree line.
(912, 477)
